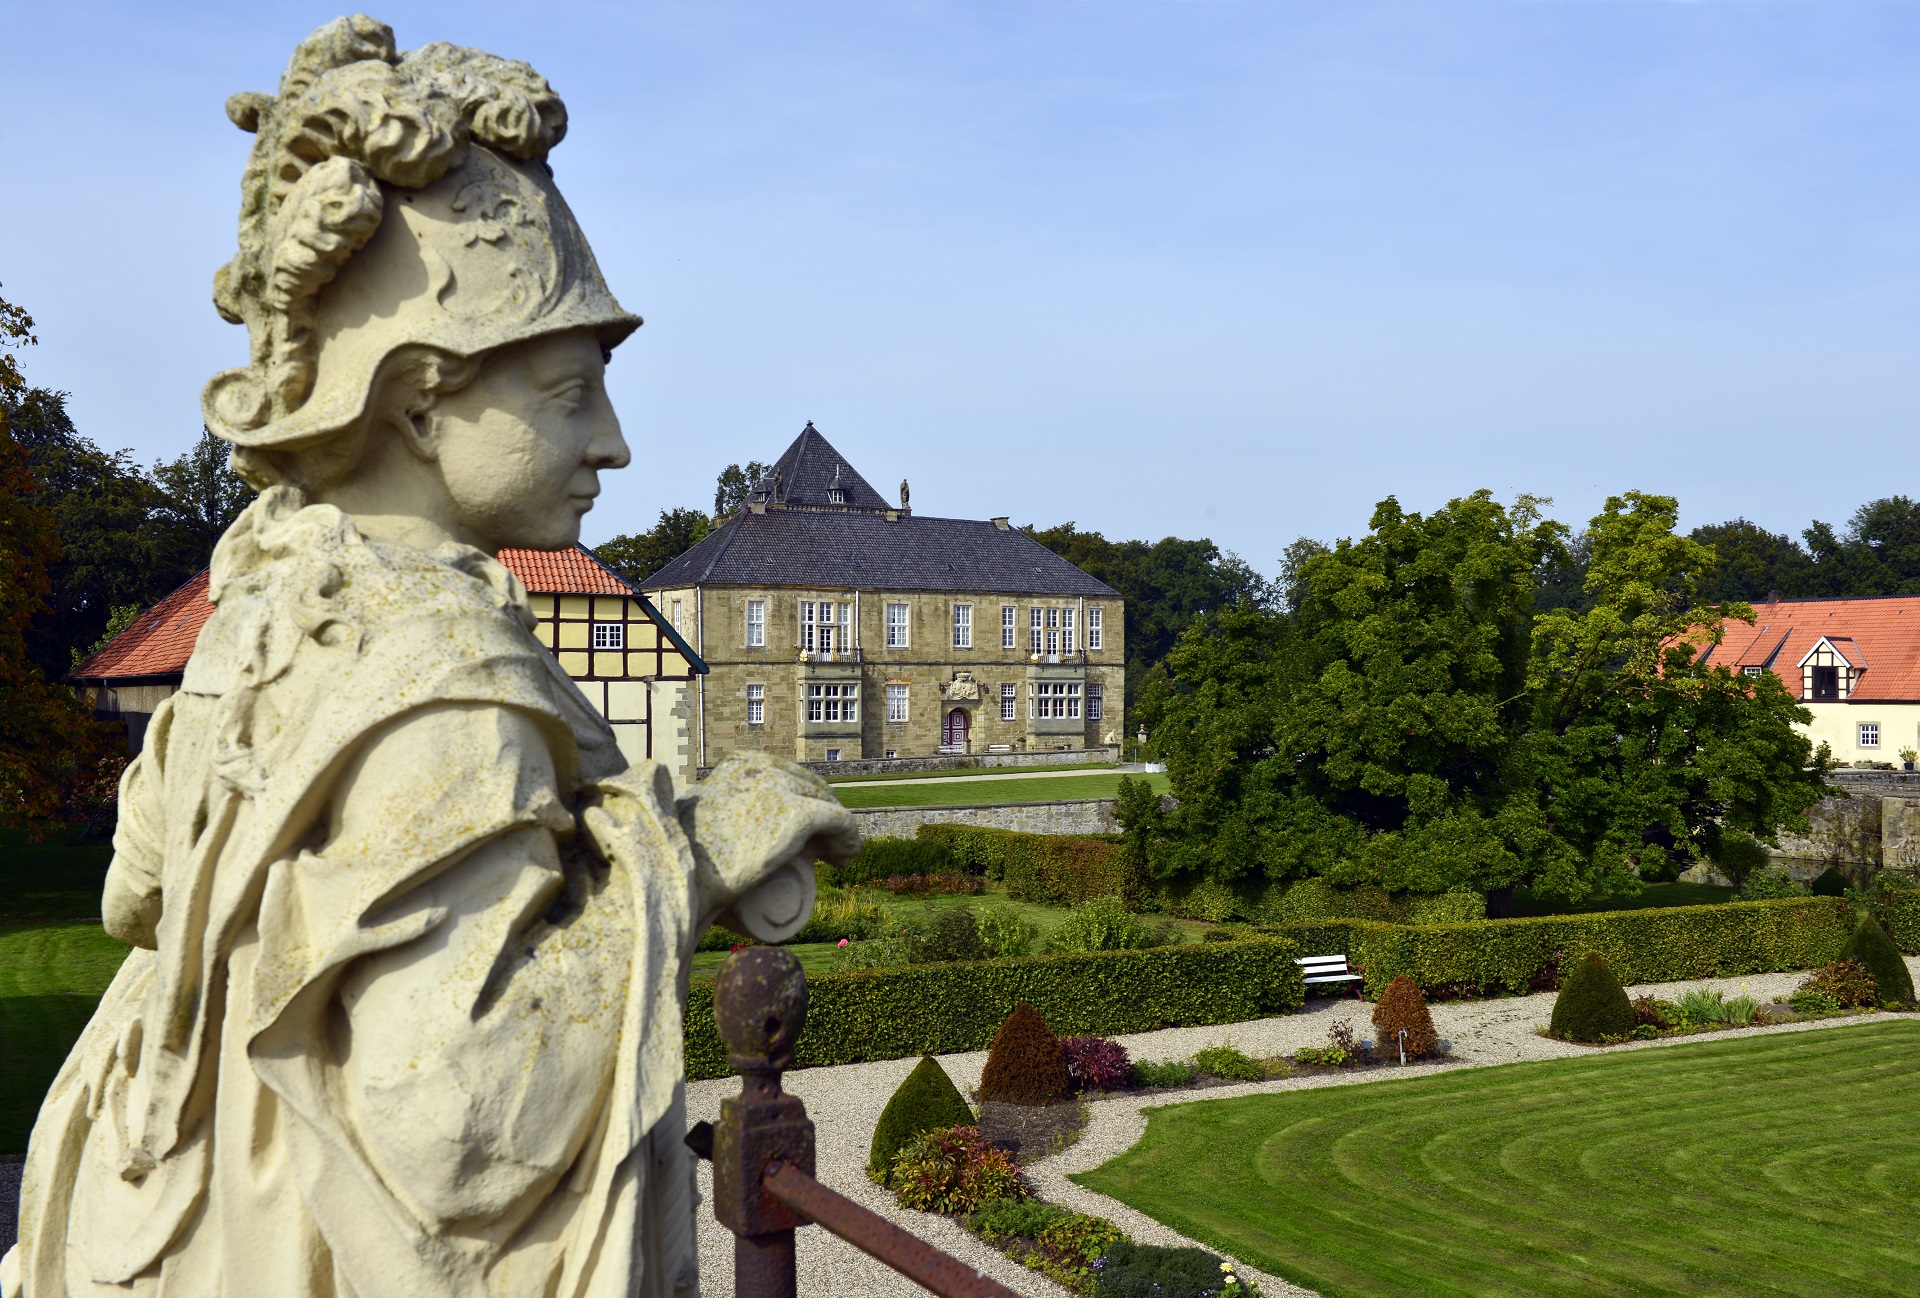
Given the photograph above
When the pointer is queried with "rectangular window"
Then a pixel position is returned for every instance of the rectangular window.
(1869, 734)
(963, 626)
(1093, 628)
(1009, 701)
(807, 625)
(1753, 671)
(833, 754)
(1009, 626)
(896, 626)
(1066, 630)
(676, 617)
(833, 702)
(609, 635)
(756, 624)
(1057, 700)
(891, 754)
(1096, 702)
(756, 704)
(1033, 630)
(896, 703)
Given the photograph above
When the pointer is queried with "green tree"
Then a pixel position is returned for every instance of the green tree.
(639, 556)
(114, 544)
(50, 748)
(1415, 723)
(734, 483)
(1168, 585)
(201, 496)
(1640, 757)
(1751, 563)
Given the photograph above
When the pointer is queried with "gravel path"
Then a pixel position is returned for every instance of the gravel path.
(845, 1104)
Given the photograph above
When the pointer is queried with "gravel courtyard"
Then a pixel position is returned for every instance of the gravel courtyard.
(845, 1103)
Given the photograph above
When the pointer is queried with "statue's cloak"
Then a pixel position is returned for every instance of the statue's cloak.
(232, 1122)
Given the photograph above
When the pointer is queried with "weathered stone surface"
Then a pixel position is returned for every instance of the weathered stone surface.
(1078, 816)
(411, 934)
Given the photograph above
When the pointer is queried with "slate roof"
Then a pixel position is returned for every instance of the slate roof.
(1883, 635)
(807, 473)
(845, 550)
(159, 643)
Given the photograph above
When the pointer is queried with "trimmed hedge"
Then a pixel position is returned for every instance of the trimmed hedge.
(1901, 910)
(1304, 901)
(937, 1009)
(1053, 869)
(881, 857)
(1642, 946)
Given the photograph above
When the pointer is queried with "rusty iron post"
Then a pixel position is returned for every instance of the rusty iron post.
(760, 1005)
(762, 1149)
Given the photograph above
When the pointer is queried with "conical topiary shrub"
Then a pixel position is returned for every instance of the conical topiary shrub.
(1402, 1007)
(1831, 883)
(1592, 1004)
(926, 1101)
(1874, 951)
(1025, 1064)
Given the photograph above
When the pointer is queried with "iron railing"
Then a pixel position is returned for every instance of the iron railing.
(762, 1149)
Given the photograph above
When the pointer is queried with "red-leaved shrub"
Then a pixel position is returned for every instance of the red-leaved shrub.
(931, 885)
(1097, 1063)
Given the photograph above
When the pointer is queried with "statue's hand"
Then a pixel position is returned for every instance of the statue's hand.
(778, 906)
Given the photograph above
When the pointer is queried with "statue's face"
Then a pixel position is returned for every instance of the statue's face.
(521, 447)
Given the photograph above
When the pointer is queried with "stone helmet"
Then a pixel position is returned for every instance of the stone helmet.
(392, 199)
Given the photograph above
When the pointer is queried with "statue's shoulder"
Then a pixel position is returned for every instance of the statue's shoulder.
(299, 592)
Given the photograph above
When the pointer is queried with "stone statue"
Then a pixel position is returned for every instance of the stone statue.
(411, 937)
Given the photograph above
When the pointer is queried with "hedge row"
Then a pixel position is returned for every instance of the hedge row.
(937, 1009)
(1642, 946)
(1902, 913)
(1053, 869)
(1264, 901)
(881, 857)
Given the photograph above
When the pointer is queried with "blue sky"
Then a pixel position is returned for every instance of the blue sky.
(1224, 269)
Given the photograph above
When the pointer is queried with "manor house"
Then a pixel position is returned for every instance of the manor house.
(837, 626)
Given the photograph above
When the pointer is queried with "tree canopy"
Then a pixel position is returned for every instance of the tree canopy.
(53, 756)
(1414, 721)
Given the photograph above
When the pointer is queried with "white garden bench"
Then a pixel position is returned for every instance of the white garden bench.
(1326, 969)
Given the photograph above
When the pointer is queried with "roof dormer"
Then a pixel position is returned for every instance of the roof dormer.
(1831, 670)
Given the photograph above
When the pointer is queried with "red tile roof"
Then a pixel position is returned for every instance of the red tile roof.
(1881, 636)
(564, 572)
(160, 642)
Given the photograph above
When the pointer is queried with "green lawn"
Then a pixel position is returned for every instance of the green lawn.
(51, 977)
(973, 773)
(1652, 896)
(1786, 1164)
(987, 791)
(55, 879)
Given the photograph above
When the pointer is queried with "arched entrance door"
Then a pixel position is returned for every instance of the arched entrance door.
(953, 734)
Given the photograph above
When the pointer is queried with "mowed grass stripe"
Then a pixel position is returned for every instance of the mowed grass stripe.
(1787, 1164)
(990, 792)
(51, 977)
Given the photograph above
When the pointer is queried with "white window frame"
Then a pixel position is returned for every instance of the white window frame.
(1009, 627)
(1053, 633)
(1096, 702)
(806, 626)
(1093, 626)
(756, 624)
(610, 635)
(756, 705)
(833, 754)
(897, 623)
(963, 626)
(1009, 702)
(1752, 671)
(675, 619)
(1034, 618)
(1869, 734)
(896, 703)
(833, 702)
(1066, 630)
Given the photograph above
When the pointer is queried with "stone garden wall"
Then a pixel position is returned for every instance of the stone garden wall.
(1079, 816)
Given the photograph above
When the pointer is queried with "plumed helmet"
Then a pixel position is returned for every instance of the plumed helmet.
(393, 199)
